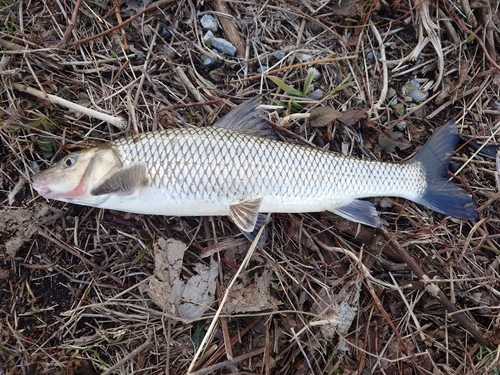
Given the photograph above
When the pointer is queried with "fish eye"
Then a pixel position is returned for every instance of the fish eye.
(69, 160)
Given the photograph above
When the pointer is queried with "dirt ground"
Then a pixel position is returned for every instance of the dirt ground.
(89, 291)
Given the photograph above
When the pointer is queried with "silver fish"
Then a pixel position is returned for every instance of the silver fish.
(236, 168)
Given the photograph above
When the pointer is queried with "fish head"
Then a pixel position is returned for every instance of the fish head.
(72, 178)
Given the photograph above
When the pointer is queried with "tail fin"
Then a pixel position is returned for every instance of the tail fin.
(440, 194)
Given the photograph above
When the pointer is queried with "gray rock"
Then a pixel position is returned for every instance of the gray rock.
(315, 72)
(207, 38)
(223, 46)
(280, 55)
(208, 22)
(207, 60)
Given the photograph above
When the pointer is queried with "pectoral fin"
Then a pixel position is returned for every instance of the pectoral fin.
(245, 213)
(363, 212)
(124, 181)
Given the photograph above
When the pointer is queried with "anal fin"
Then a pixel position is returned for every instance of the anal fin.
(363, 212)
(124, 181)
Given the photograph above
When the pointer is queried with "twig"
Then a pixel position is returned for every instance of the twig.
(78, 255)
(109, 31)
(393, 247)
(470, 32)
(299, 65)
(71, 25)
(116, 121)
(190, 87)
(233, 341)
(120, 21)
(228, 28)
(434, 290)
(134, 353)
(451, 101)
(385, 72)
(210, 329)
(222, 365)
(367, 276)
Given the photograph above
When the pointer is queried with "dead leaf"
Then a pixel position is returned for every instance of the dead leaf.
(187, 299)
(336, 311)
(137, 5)
(346, 8)
(352, 117)
(252, 297)
(323, 116)
(390, 139)
(18, 225)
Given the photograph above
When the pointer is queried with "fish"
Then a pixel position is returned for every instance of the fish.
(238, 168)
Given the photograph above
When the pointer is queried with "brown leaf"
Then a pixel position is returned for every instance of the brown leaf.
(390, 140)
(253, 297)
(346, 8)
(188, 299)
(323, 116)
(350, 118)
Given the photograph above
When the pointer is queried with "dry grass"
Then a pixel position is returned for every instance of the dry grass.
(422, 296)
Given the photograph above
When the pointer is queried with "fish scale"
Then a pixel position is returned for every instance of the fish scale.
(217, 165)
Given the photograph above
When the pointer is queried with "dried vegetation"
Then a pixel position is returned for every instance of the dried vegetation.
(325, 296)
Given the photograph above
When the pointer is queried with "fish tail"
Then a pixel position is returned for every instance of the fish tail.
(441, 194)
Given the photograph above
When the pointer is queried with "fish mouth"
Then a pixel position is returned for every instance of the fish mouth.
(43, 190)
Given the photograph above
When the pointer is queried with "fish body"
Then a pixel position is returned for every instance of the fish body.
(235, 168)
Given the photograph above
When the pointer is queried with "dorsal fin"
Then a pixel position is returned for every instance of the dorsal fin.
(245, 119)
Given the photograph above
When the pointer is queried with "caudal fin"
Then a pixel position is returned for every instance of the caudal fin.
(441, 194)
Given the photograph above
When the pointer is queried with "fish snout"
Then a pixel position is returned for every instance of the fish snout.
(41, 188)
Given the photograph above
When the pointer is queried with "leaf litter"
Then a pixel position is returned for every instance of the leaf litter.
(187, 299)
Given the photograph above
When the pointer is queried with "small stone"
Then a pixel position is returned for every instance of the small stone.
(208, 22)
(315, 72)
(391, 92)
(223, 46)
(316, 94)
(410, 90)
(206, 60)
(164, 32)
(402, 125)
(399, 109)
(315, 28)
(416, 84)
(303, 56)
(262, 69)
(166, 49)
(280, 55)
(207, 38)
